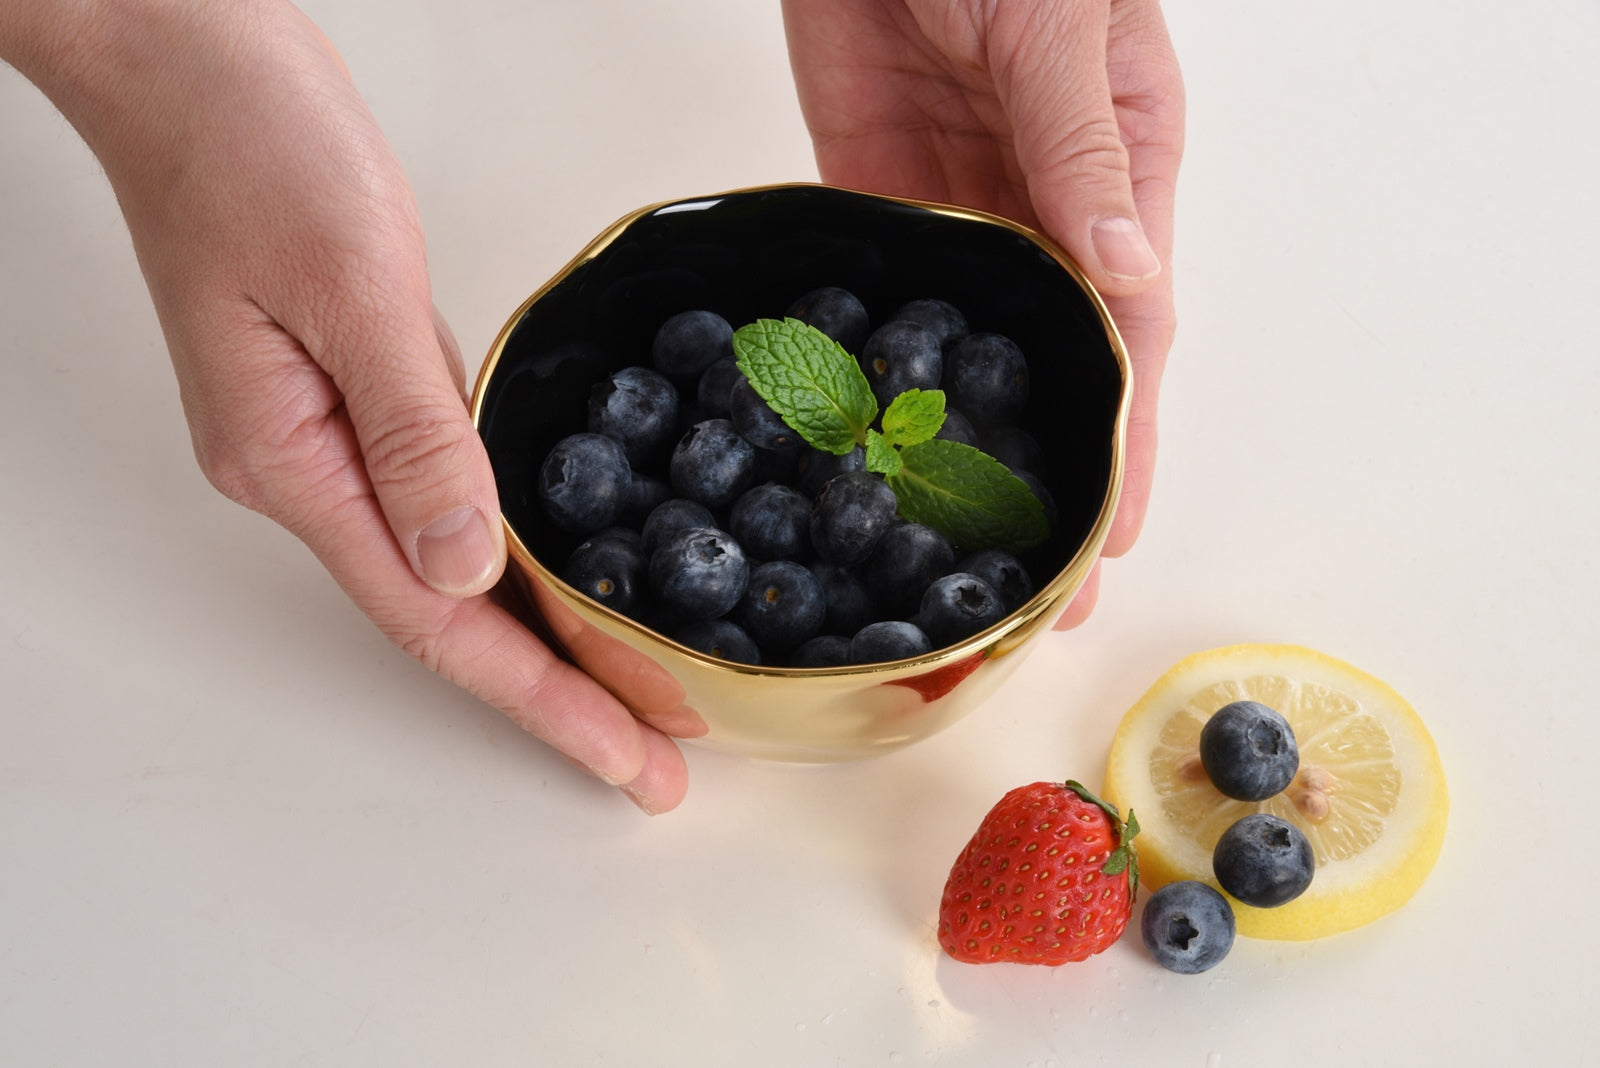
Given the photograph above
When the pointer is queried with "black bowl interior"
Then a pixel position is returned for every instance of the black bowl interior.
(749, 255)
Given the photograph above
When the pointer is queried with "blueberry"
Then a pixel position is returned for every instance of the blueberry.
(782, 605)
(755, 419)
(958, 606)
(986, 376)
(712, 464)
(957, 427)
(625, 534)
(715, 384)
(1187, 927)
(908, 558)
(890, 639)
(1014, 447)
(669, 517)
(1249, 751)
(584, 483)
(825, 650)
(772, 522)
(644, 493)
(610, 569)
(638, 408)
(1002, 571)
(690, 342)
(1263, 861)
(700, 572)
(941, 317)
(851, 513)
(721, 638)
(818, 467)
(1042, 494)
(849, 605)
(901, 356)
(836, 312)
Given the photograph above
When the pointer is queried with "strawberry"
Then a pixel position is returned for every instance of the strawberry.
(1048, 878)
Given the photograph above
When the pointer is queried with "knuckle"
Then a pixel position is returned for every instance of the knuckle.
(235, 479)
(1090, 144)
(239, 466)
(425, 630)
(226, 463)
(1155, 325)
(277, 471)
(421, 645)
(420, 447)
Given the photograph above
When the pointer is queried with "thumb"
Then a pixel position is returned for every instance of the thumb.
(1050, 70)
(425, 460)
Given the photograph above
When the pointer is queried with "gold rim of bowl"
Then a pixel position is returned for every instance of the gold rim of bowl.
(994, 642)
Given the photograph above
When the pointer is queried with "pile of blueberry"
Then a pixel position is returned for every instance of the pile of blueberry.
(707, 518)
(1250, 754)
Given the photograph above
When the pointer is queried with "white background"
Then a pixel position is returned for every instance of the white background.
(237, 827)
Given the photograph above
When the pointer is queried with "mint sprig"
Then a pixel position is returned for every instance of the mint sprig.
(820, 391)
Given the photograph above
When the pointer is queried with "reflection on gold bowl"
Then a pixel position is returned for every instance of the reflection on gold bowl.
(747, 254)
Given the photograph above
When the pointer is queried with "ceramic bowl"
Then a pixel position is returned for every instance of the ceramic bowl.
(747, 254)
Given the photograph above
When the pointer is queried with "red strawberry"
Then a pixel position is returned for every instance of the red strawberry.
(1049, 878)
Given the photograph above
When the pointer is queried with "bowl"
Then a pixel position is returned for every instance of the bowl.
(748, 254)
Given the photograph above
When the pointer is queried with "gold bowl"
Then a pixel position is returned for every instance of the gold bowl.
(747, 254)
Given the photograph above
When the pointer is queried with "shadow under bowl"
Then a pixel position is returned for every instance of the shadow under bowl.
(748, 254)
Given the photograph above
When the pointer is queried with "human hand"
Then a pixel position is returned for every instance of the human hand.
(1066, 115)
(283, 251)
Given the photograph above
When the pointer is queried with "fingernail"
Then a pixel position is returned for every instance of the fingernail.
(1120, 243)
(456, 551)
(638, 799)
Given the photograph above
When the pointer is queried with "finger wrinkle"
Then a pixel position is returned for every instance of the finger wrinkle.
(1087, 144)
(417, 446)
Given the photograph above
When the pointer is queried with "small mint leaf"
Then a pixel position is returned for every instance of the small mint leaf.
(809, 380)
(913, 417)
(968, 496)
(882, 458)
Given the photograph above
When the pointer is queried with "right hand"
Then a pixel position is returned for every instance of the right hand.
(1066, 115)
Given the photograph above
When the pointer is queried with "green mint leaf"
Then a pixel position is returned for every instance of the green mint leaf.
(809, 380)
(913, 417)
(882, 457)
(968, 496)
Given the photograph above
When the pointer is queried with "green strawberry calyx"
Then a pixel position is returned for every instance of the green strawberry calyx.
(1125, 858)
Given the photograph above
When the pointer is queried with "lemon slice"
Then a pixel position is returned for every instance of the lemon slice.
(1370, 793)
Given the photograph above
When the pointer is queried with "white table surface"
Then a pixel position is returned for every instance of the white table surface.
(238, 828)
